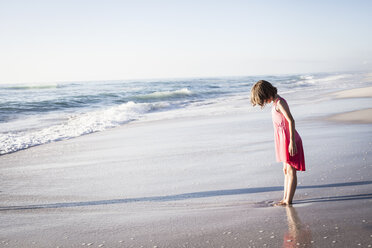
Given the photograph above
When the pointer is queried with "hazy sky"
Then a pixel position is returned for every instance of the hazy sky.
(47, 41)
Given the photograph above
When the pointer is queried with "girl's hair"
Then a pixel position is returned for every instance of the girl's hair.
(261, 92)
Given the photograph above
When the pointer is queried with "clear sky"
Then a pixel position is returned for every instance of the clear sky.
(72, 40)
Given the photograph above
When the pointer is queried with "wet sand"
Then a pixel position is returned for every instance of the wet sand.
(202, 181)
(358, 116)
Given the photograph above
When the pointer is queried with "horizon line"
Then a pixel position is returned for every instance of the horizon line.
(178, 77)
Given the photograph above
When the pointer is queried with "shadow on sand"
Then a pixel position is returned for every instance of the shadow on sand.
(335, 198)
(202, 194)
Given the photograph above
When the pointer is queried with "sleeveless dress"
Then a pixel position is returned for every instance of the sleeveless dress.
(282, 139)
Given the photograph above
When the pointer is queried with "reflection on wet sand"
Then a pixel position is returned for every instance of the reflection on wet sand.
(298, 235)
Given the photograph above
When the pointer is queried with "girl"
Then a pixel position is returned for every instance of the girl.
(288, 143)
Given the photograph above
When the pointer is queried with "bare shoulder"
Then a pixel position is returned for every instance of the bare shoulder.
(282, 103)
(284, 109)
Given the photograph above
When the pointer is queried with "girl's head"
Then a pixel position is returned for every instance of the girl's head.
(262, 92)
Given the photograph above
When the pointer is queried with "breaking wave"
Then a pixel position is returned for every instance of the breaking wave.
(77, 125)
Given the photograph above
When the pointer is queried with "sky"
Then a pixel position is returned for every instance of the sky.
(82, 40)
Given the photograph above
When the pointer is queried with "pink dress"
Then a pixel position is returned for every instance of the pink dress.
(282, 139)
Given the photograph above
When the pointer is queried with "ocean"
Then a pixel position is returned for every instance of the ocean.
(34, 114)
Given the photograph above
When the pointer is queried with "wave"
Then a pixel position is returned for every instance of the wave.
(159, 95)
(306, 77)
(319, 81)
(56, 104)
(325, 78)
(78, 125)
(247, 84)
(30, 86)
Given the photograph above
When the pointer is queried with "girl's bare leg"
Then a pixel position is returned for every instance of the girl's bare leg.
(292, 184)
(285, 171)
(283, 201)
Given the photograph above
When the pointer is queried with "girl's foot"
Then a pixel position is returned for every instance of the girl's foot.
(282, 203)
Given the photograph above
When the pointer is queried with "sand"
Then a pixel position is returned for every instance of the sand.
(206, 178)
(357, 116)
(354, 93)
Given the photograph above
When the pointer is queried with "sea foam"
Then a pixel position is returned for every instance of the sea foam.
(77, 125)
(166, 94)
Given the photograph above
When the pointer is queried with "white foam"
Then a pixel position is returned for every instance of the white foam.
(307, 77)
(323, 81)
(77, 125)
(168, 94)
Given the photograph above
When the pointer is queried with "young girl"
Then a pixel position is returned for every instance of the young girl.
(288, 143)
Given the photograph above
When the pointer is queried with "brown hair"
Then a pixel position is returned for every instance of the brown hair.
(261, 92)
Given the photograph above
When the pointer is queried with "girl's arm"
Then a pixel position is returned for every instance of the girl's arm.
(284, 109)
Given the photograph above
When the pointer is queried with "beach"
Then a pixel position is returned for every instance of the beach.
(197, 177)
(357, 116)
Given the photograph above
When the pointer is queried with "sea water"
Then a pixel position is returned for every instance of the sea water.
(35, 114)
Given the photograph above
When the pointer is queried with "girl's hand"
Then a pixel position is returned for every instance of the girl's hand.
(292, 148)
